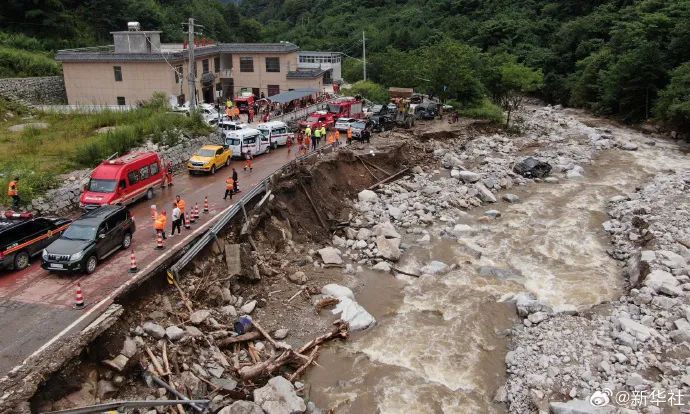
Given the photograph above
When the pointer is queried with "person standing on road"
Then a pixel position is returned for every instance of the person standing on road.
(317, 137)
(176, 220)
(229, 188)
(289, 144)
(181, 204)
(323, 135)
(349, 135)
(13, 193)
(235, 185)
(337, 138)
(168, 175)
(159, 224)
(307, 143)
(248, 158)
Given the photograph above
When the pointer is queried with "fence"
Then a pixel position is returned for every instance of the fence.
(228, 215)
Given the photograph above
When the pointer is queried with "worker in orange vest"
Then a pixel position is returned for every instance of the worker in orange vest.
(337, 138)
(13, 193)
(331, 138)
(168, 175)
(229, 188)
(248, 164)
(181, 204)
(349, 135)
(159, 224)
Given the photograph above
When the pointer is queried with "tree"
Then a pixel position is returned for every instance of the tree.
(369, 90)
(515, 82)
(674, 101)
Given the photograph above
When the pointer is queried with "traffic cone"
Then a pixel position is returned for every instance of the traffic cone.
(159, 241)
(186, 222)
(205, 204)
(154, 212)
(192, 219)
(133, 263)
(196, 211)
(79, 301)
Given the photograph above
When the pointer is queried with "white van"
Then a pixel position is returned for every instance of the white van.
(276, 131)
(247, 139)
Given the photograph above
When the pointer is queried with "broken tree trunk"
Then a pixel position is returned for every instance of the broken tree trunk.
(387, 179)
(339, 330)
(316, 210)
(374, 166)
(249, 336)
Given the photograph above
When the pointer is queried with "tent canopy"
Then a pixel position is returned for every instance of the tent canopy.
(288, 96)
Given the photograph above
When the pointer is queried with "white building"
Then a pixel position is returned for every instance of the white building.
(329, 61)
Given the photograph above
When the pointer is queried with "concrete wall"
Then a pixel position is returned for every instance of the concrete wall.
(46, 90)
(94, 83)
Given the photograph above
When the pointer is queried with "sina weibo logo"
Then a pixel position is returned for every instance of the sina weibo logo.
(601, 398)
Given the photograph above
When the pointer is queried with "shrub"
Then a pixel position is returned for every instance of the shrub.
(484, 110)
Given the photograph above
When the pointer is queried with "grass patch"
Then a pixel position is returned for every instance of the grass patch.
(484, 110)
(71, 141)
(16, 63)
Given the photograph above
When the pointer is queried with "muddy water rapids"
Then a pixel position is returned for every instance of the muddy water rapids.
(440, 342)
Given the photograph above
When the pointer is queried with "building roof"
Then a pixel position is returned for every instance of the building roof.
(288, 96)
(107, 53)
(306, 73)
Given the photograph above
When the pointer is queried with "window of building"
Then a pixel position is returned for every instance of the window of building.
(178, 74)
(273, 90)
(118, 73)
(272, 65)
(246, 64)
(121, 100)
(216, 64)
(301, 59)
(204, 66)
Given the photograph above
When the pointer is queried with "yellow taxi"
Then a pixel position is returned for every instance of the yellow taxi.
(209, 158)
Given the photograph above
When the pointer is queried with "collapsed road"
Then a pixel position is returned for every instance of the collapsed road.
(509, 293)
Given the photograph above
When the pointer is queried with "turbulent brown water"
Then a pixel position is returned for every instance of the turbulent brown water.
(440, 342)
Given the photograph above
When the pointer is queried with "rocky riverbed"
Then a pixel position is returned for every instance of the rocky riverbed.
(593, 260)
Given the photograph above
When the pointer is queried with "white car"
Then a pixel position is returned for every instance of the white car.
(342, 124)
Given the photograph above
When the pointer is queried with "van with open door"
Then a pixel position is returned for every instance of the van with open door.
(123, 180)
(276, 131)
(248, 139)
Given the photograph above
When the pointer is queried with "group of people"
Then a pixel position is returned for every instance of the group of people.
(160, 220)
(311, 138)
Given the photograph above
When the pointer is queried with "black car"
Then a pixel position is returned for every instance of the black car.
(90, 239)
(24, 237)
(361, 130)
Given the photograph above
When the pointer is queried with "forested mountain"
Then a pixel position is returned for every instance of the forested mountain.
(628, 58)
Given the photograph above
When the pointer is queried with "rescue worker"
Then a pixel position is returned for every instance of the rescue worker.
(159, 224)
(323, 135)
(289, 144)
(176, 220)
(307, 143)
(349, 135)
(235, 181)
(248, 158)
(181, 204)
(337, 138)
(307, 133)
(330, 138)
(168, 175)
(300, 143)
(13, 193)
(250, 116)
(317, 137)
(229, 188)
(228, 103)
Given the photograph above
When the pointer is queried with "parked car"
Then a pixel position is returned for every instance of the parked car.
(361, 130)
(23, 236)
(427, 110)
(209, 158)
(276, 131)
(123, 180)
(342, 124)
(244, 140)
(90, 239)
(227, 125)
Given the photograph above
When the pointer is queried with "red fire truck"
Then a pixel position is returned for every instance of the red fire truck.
(346, 107)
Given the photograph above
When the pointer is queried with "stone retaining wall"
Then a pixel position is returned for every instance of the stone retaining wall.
(45, 90)
(65, 199)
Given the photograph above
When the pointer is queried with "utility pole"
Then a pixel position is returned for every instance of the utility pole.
(192, 65)
(364, 55)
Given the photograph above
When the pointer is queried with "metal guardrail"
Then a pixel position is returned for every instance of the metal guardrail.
(261, 187)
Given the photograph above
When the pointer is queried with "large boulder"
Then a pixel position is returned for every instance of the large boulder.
(436, 268)
(279, 397)
(330, 255)
(154, 330)
(367, 195)
(580, 407)
(337, 291)
(388, 248)
(636, 329)
(663, 282)
(469, 176)
(484, 193)
(386, 229)
(531, 167)
(354, 314)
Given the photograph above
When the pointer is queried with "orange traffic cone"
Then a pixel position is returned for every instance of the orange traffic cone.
(186, 222)
(159, 241)
(133, 263)
(196, 211)
(205, 204)
(192, 218)
(79, 301)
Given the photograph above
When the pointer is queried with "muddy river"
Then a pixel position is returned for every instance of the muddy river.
(440, 342)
